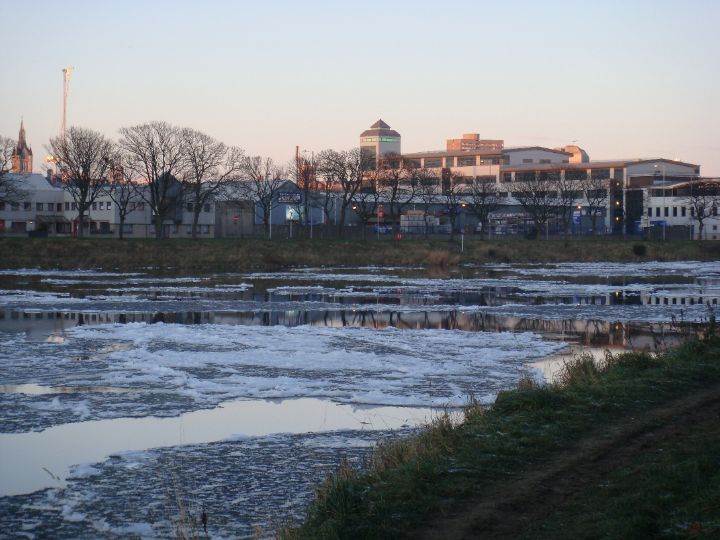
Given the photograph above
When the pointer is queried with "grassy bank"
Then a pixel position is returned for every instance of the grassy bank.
(627, 450)
(225, 255)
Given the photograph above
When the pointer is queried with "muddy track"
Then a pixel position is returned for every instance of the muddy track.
(507, 510)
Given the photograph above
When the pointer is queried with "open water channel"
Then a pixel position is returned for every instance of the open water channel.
(121, 394)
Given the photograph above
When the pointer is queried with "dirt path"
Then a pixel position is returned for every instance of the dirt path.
(506, 511)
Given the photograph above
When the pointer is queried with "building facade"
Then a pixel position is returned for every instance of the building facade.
(47, 209)
(630, 186)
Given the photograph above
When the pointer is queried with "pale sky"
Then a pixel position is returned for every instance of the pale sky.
(623, 79)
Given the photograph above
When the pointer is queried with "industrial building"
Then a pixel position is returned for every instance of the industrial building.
(633, 186)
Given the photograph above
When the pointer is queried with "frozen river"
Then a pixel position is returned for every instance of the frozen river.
(121, 394)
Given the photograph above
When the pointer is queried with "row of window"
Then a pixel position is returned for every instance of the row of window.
(53, 207)
(101, 205)
(176, 229)
(683, 211)
(96, 205)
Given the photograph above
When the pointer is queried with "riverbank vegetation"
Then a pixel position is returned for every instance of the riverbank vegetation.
(626, 449)
(227, 255)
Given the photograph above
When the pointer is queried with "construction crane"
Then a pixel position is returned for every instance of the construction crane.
(66, 90)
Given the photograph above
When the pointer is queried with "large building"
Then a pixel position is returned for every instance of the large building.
(379, 140)
(631, 186)
(472, 141)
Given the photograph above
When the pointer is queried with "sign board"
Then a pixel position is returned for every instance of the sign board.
(289, 197)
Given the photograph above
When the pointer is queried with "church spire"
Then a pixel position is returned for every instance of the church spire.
(22, 155)
(21, 136)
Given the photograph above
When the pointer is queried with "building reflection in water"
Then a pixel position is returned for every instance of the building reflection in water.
(48, 325)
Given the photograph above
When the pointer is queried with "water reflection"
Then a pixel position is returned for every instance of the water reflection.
(33, 461)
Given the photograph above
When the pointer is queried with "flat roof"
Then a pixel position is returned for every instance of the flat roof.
(600, 164)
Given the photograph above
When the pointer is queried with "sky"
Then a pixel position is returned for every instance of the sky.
(622, 79)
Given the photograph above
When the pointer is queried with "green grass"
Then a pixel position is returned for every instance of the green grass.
(224, 255)
(667, 491)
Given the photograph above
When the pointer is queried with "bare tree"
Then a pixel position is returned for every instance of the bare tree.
(11, 188)
(304, 172)
(398, 191)
(537, 197)
(209, 167)
(122, 190)
(453, 192)
(567, 193)
(155, 152)
(345, 171)
(426, 189)
(85, 158)
(365, 205)
(484, 199)
(703, 198)
(263, 180)
(596, 194)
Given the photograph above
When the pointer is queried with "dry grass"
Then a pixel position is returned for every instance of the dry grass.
(224, 255)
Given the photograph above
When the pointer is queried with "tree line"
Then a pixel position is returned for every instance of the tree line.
(165, 166)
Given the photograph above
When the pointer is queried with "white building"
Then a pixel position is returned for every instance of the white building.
(49, 209)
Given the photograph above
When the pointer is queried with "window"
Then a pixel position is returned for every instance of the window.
(206, 229)
(206, 208)
(527, 176)
(2, 206)
(576, 174)
(94, 206)
(433, 163)
(59, 207)
(683, 211)
(649, 211)
(674, 211)
(108, 205)
(667, 212)
(449, 161)
(600, 174)
(466, 161)
(100, 205)
(27, 206)
(657, 212)
(507, 177)
(527, 160)
(39, 207)
(544, 161)
(141, 206)
(14, 207)
(714, 211)
(73, 206)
